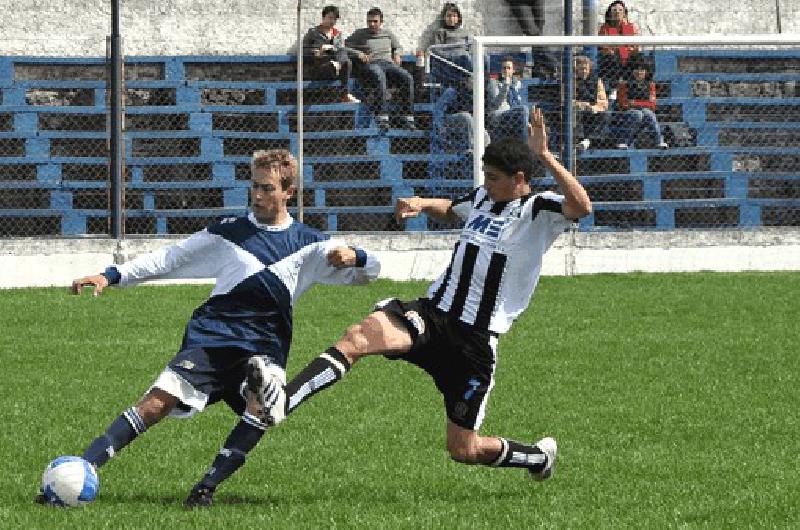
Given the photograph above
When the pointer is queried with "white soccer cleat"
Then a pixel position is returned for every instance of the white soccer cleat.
(266, 381)
(548, 447)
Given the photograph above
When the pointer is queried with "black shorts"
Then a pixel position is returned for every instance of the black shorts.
(459, 358)
(218, 373)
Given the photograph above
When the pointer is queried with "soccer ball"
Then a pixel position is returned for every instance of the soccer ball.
(70, 481)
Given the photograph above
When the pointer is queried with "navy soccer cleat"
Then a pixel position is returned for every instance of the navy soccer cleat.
(550, 449)
(200, 497)
(41, 499)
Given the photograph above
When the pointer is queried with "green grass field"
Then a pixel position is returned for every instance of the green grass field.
(674, 399)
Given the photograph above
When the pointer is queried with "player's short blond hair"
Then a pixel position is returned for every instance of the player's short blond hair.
(280, 159)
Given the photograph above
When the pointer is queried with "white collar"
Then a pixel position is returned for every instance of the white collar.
(271, 228)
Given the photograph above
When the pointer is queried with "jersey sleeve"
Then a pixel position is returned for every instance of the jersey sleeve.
(315, 267)
(462, 206)
(185, 259)
(549, 207)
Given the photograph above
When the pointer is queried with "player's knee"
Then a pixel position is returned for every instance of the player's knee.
(358, 337)
(353, 341)
(155, 406)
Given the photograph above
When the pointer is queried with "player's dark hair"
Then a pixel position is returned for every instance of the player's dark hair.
(330, 9)
(510, 155)
(375, 11)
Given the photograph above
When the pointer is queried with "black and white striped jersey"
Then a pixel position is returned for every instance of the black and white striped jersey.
(496, 263)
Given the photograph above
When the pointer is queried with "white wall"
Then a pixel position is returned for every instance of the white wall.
(187, 27)
(418, 256)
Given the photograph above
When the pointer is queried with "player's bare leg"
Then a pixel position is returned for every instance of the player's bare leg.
(155, 406)
(378, 334)
(151, 409)
(469, 447)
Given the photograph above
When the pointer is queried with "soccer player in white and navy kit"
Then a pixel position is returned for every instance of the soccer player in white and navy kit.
(262, 263)
(452, 333)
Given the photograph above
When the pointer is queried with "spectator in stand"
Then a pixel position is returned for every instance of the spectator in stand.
(329, 58)
(636, 99)
(457, 126)
(590, 102)
(530, 17)
(452, 32)
(614, 59)
(507, 113)
(531, 25)
(377, 51)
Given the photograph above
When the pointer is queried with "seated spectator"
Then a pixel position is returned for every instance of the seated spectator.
(329, 58)
(530, 15)
(507, 114)
(455, 130)
(452, 32)
(613, 60)
(636, 99)
(590, 103)
(377, 53)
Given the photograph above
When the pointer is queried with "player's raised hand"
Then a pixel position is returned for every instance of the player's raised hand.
(342, 257)
(407, 207)
(98, 281)
(537, 133)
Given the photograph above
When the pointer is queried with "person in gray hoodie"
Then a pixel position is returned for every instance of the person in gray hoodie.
(378, 60)
(453, 36)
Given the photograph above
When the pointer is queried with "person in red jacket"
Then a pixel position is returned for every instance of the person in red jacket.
(636, 101)
(613, 60)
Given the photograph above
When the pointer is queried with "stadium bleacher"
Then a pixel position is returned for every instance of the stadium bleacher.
(192, 122)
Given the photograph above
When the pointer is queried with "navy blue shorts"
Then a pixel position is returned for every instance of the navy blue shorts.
(216, 372)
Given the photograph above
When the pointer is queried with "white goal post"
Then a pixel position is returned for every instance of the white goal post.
(479, 45)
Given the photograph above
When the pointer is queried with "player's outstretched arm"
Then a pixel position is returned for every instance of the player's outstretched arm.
(350, 265)
(413, 206)
(98, 281)
(576, 201)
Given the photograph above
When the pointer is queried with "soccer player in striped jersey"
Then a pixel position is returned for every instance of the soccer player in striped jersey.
(261, 263)
(452, 333)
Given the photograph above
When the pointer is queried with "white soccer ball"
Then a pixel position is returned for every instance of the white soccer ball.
(70, 481)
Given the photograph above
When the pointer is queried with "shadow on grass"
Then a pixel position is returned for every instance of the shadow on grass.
(316, 497)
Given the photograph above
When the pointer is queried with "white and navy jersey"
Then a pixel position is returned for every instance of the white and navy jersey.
(496, 263)
(260, 271)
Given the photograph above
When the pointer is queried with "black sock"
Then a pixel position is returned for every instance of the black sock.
(320, 373)
(119, 434)
(515, 454)
(231, 457)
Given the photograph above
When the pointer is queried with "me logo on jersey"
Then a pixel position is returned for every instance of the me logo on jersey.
(488, 226)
